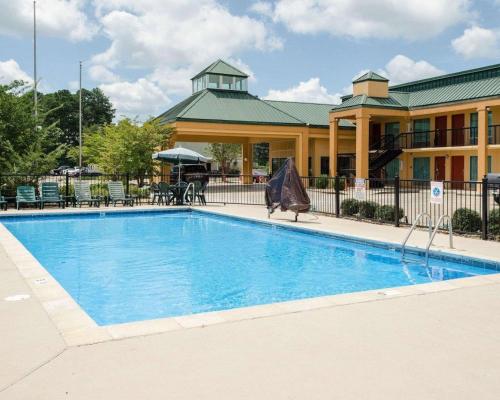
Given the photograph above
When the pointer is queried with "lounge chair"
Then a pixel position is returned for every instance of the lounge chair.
(83, 195)
(3, 203)
(26, 195)
(50, 194)
(117, 194)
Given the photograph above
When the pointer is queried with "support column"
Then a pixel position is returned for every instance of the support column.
(362, 146)
(247, 154)
(482, 142)
(334, 146)
(302, 153)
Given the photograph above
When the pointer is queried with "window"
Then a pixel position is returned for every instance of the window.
(421, 168)
(213, 81)
(392, 169)
(421, 128)
(473, 128)
(324, 165)
(392, 129)
(490, 127)
(473, 167)
(227, 82)
(276, 164)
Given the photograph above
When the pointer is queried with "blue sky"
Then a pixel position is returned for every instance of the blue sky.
(142, 53)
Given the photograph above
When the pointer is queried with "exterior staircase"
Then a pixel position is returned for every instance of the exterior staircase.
(383, 152)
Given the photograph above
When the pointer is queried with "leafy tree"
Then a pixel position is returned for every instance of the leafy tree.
(224, 154)
(261, 154)
(126, 147)
(26, 145)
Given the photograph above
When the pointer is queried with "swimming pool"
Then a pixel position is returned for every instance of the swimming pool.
(132, 266)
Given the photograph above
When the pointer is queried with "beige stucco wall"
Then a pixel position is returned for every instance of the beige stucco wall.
(371, 88)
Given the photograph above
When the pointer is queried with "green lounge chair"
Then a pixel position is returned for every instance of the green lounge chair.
(50, 194)
(117, 194)
(26, 195)
(83, 195)
(3, 203)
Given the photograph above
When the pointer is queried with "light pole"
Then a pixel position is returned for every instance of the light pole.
(80, 121)
(35, 83)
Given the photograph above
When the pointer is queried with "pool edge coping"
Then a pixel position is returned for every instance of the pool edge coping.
(77, 328)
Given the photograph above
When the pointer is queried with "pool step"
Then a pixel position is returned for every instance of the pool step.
(409, 260)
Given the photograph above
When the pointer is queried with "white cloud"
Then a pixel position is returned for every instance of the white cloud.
(411, 19)
(477, 42)
(141, 98)
(61, 18)
(308, 91)
(102, 74)
(11, 71)
(402, 69)
(263, 7)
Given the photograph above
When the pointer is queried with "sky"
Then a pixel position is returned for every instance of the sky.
(142, 53)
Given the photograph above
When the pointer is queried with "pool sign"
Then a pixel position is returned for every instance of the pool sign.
(436, 192)
(360, 189)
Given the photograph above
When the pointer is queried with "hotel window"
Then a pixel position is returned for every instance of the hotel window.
(392, 169)
(473, 128)
(421, 129)
(392, 129)
(473, 167)
(324, 165)
(227, 82)
(490, 127)
(421, 168)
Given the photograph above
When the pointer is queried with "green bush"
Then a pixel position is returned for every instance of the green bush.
(349, 207)
(341, 185)
(322, 182)
(494, 222)
(466, 220)
(387, 213)
(367, 209)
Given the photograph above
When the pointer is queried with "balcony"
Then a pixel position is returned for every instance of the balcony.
(445, 138)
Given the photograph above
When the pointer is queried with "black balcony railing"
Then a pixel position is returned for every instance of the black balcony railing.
(494, 134)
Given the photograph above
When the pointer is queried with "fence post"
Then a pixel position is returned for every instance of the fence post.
(396, 201)
(127, 185)
(337, 196)
(67, 189)
(484, 209)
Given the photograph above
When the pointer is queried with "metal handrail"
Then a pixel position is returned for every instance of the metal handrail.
(450, 235)
(413, 227)
(191, 184)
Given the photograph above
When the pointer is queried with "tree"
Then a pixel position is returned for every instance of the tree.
(224, 154)
(261, 154)
(126, 147)
(26, 145)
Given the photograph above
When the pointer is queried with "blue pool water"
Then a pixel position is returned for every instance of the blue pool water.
(137, 266)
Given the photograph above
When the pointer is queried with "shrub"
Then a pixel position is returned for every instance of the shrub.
(322, 182)
(349, 207)
(367, 209)
(387, 213)
(341, 185)
(466, 220)
(494, 222)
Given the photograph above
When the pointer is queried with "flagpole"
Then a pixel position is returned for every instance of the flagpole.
(35, 94)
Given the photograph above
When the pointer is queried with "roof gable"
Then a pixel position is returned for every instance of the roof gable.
(370, 76)
(221, 67)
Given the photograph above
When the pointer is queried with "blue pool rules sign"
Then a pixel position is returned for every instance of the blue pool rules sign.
(436, 192)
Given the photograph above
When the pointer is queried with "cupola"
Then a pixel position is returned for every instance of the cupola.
(220, 75)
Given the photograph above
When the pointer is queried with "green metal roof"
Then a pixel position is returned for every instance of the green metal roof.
(221, 67)
(370, 76)
(227, 106)
(363, 100)
(213, 105)
(314, 114)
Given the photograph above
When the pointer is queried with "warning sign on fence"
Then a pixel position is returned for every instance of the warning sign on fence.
(436, 192)
(360, 189)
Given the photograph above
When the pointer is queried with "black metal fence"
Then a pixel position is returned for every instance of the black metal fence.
(474, 206)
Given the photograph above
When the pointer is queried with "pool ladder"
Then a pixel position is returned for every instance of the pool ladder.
(432, 234)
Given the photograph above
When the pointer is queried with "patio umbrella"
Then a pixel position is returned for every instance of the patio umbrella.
(179, 156)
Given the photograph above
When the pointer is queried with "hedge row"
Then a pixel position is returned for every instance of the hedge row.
(467, 220)
(370, 209)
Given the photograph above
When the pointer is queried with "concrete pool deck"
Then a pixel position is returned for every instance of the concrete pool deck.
(439, 340)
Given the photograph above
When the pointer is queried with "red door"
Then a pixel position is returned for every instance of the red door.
(439, 168)
(457, 135)
(457, 171)
(440, 136)
(375, 135)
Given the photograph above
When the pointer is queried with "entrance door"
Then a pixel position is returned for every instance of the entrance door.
(440, 136)
(376, 135)
(457, 135)
(457, 171)
(439, 168)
